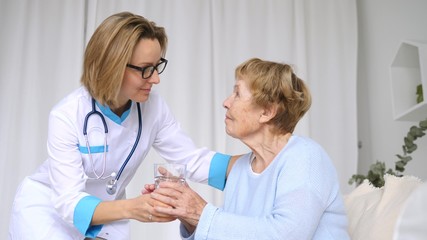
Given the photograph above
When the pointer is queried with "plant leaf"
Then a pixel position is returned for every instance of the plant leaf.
(412, 148)
(419, 93)
(377, 170)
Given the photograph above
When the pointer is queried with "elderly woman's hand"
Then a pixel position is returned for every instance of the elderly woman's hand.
(186, 204)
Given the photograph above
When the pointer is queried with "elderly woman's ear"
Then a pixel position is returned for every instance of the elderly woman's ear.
(268, 113)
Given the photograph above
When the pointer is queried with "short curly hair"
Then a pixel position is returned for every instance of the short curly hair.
(276, 83)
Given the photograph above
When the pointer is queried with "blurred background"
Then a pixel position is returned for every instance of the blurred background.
(343, 49)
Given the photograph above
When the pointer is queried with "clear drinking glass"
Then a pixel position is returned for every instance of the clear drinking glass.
(171, 172)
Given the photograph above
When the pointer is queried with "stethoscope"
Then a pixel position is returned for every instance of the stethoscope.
(111, 186)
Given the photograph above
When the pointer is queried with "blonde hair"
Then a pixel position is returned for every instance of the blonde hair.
(110, 49)
(276, 84)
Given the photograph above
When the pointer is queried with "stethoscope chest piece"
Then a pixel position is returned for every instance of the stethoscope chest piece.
(111, 186)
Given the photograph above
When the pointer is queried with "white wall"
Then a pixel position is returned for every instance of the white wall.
(382, 25)
(318, 37)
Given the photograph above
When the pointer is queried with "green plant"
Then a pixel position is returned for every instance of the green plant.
(378, 170)
(419, 93)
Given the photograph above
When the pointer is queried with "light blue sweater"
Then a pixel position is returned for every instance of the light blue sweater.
(296, 197)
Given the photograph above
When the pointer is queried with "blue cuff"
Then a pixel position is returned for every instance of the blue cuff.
(218, 170)
(83, 214)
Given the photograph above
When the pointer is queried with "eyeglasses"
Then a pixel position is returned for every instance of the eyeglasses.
(147, 72)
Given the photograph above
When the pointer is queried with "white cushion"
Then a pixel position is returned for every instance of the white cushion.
(373, 212)
(412, 222)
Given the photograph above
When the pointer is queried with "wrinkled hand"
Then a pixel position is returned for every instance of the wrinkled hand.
(142, 209)
(186, 204)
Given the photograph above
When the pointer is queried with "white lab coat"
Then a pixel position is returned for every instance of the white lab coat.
(45, 201)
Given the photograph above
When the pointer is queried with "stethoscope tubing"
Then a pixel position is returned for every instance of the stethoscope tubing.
(112, 183)
(94, 111)
(138, 136)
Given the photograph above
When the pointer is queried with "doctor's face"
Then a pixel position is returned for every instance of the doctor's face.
(147, 53)
(242, 116)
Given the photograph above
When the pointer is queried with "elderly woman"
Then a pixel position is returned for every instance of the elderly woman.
(285, 188)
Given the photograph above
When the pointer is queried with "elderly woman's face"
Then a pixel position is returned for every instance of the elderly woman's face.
(242, 117)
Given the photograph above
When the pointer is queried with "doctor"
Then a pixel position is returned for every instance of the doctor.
(99, 135)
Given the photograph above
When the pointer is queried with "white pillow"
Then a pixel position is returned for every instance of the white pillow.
(373, 212)
(412, 222)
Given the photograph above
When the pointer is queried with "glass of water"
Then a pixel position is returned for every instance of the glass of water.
(169, 172)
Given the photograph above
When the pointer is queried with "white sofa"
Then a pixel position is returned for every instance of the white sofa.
(398, 210)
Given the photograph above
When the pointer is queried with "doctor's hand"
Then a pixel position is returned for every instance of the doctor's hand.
(186, 204)
(148, 188)
(142, 209)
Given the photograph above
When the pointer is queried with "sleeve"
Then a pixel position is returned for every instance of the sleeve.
(215, 223)
(83, 216)
(185, 235)
(66, 173)
(218, 170)
(172, 144)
